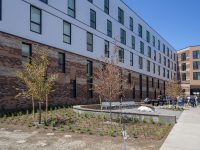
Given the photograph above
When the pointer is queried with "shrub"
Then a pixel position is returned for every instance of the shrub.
(111, 132)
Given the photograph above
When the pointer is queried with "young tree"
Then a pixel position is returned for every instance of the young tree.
(109, 80)
(36, 79)
(173, 88)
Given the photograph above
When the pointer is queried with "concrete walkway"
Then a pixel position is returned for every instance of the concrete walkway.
(185, 135)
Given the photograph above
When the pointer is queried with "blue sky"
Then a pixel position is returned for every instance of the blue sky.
(178, 21)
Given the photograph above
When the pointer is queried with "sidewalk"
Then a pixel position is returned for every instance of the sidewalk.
(185, 135)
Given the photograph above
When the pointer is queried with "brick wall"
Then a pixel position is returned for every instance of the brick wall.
(10, 62)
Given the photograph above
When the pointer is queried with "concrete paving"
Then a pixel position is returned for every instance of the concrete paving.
(185, 135)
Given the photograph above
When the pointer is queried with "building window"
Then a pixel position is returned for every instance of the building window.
(158, 83)
(163, 72)
(36, 20)
(164, 48)
(171, 55)
(61, 62)
(152, 84)
(91, 1)
(140, 62)
(73, 88)
(168, 74)
(140, 30)
(148, 36)
(158, 44)
(196, 75)
(106, 6)
(92, 19)
(71, 8)
(0, 9)
(165, 61)
(131, 58)
(109, 28)
(121, 55)
(154, 41)
(149, 51)
(168, 63)
(123, 36)
(89, 79)
(196, 54)
(66, 32)
(168, 52)
(159, 70)
(148, 66)
(129, 78)
(44, 1)
(134, 92)
(131, 23)
(140, 87)
(183, 76)
(106, 49)
(183, 56)
(155, 55)
(196, 65)
(141, 47)
(183, 67)
(160, 58)
(26, 52)
(89, 41)
(174, 57)
(120, 15)
(174, 67)
(133, 42)
(154, 68)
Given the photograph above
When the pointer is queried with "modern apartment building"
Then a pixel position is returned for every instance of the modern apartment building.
(77, 33)
(189, 69)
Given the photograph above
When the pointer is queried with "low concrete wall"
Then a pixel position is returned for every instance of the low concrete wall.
(116, 115)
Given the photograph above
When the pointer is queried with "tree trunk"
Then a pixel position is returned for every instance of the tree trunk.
(33, 111)
(46, 108)
(40, 113)
(121, 111)
(110, 108)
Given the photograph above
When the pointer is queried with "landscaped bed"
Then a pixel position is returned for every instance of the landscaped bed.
(66, 120)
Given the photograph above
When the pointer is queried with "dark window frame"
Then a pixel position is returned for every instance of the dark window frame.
(73, 89)
(30, 52)
(89, 79)
(72, 9)
(148, 36)
(109, 28)
(131, 58)
(32, 22)
(120, 15)
(133, 42)
(106, 6)
(90, 44)
(140, 30)
(106, 48)
(121, 55)
(140, 62)
(131, 23)
(61, 65)
(141, 47)
(148, 66)
(122, 36)
(93, 22)
(44, 1)
(70, 36)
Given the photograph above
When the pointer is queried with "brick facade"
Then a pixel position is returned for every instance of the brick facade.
(10, 62)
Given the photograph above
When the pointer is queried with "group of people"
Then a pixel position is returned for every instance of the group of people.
(184, 101)
(192, 101)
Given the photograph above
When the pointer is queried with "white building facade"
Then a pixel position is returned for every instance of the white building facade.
(91, 28)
